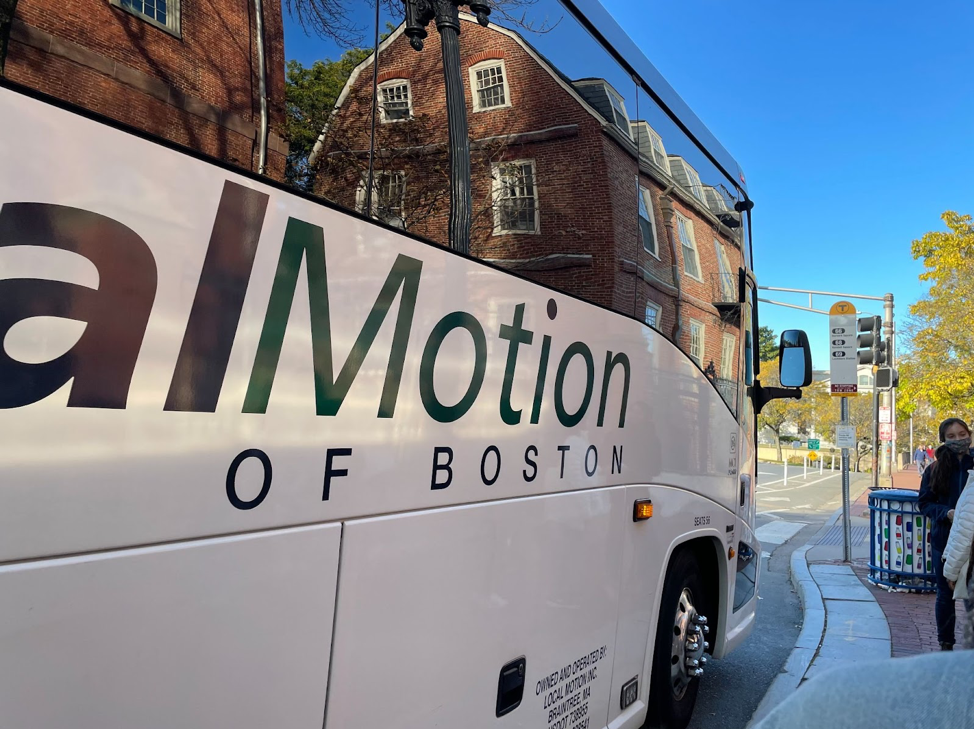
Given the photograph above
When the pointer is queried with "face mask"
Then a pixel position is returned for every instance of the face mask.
(959, 446)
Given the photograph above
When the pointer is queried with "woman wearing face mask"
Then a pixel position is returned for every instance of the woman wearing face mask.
(940, 488)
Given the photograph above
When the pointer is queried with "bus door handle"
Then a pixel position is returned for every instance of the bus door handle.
(745, 487)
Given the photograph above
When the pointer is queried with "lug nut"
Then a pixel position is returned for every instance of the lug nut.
(700, 620)
(703, 660)
(693, 647)
(706, 645)
(696, 672)
(695, 629)
(692, 663)
(706, 630)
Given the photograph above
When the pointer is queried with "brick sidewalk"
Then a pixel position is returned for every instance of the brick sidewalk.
(908, 478)
(912, 626)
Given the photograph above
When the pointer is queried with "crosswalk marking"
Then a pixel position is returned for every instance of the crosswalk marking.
(778, 532)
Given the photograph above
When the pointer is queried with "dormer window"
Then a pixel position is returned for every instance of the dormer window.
(395, 100)
(606, 101)
(650, 144)
(488, 85)
(715, 201)
(686, 176)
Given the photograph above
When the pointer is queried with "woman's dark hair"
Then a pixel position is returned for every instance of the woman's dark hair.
(947, 423)
(944, 471)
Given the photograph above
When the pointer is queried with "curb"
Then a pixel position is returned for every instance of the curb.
(813, 628)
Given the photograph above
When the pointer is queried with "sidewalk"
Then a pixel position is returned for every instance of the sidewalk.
(846, 618)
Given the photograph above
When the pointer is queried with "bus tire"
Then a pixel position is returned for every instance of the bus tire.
(678, 657)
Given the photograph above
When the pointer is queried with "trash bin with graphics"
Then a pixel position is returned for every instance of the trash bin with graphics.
(899, 551)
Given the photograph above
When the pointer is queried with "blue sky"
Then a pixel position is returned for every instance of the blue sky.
(852, 120)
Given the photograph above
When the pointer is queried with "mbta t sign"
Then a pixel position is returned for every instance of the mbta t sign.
(842, 338)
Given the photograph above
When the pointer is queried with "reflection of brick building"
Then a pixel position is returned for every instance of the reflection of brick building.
(555, 164)
(185, 71)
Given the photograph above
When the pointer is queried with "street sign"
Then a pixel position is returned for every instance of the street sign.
(886, 431)
(845, 436)
(842, 359)
(813, 444)
(884, 414)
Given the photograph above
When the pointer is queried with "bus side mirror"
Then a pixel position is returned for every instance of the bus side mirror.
(794, 359)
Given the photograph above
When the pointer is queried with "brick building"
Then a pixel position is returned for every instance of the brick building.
(567, 190)
(184, 70)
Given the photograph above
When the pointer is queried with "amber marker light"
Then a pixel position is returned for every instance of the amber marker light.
(642, 510)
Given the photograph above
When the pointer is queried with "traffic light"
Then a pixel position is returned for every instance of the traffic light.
(886, 378)
(872, 349)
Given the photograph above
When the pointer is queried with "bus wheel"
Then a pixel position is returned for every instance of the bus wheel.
(678, 659)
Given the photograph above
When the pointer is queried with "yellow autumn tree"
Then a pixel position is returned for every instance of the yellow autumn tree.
(938, 368)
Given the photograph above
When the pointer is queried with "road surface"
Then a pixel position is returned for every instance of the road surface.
(788, 516)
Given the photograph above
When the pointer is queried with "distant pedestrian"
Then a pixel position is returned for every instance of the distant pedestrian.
(940, 488)
(920, 458)
(930, 454)
(958, 562)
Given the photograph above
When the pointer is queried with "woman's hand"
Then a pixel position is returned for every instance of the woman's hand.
(950, 516)
(951, 584)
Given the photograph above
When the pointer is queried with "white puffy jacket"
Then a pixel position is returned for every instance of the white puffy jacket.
(957, 553)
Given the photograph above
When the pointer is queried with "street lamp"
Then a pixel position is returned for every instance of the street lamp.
(419, 13)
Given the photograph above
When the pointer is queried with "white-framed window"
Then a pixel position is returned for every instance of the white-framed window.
(395, 100)
(659, 152)
(515, 198)
(488, 85)
(647, 222)
(160, 13)
(654, 313)
(728, 281)
(691, 261)
(865, 381)
(695, 185)
(618, 110)
(388, 196)
(728, 353)
(697, 333)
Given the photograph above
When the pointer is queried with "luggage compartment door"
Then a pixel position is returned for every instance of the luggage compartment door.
(433, 605)
(225, 632)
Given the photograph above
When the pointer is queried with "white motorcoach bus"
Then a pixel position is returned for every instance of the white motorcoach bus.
(270, 461)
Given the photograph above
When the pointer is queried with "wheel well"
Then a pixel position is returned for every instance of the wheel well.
(705, 550)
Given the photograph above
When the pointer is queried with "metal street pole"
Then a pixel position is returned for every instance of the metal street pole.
(890, 362)
(846, 526)
(447, 14)
(875, 456)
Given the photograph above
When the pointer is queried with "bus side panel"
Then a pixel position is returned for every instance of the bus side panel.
(229, 632)
(678, 516)
(432, 605)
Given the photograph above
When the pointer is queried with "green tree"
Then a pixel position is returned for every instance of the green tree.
(936, 369)
(310, 95)
(767, 344)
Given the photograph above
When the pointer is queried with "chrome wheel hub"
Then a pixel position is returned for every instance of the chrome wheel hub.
(687, 657)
